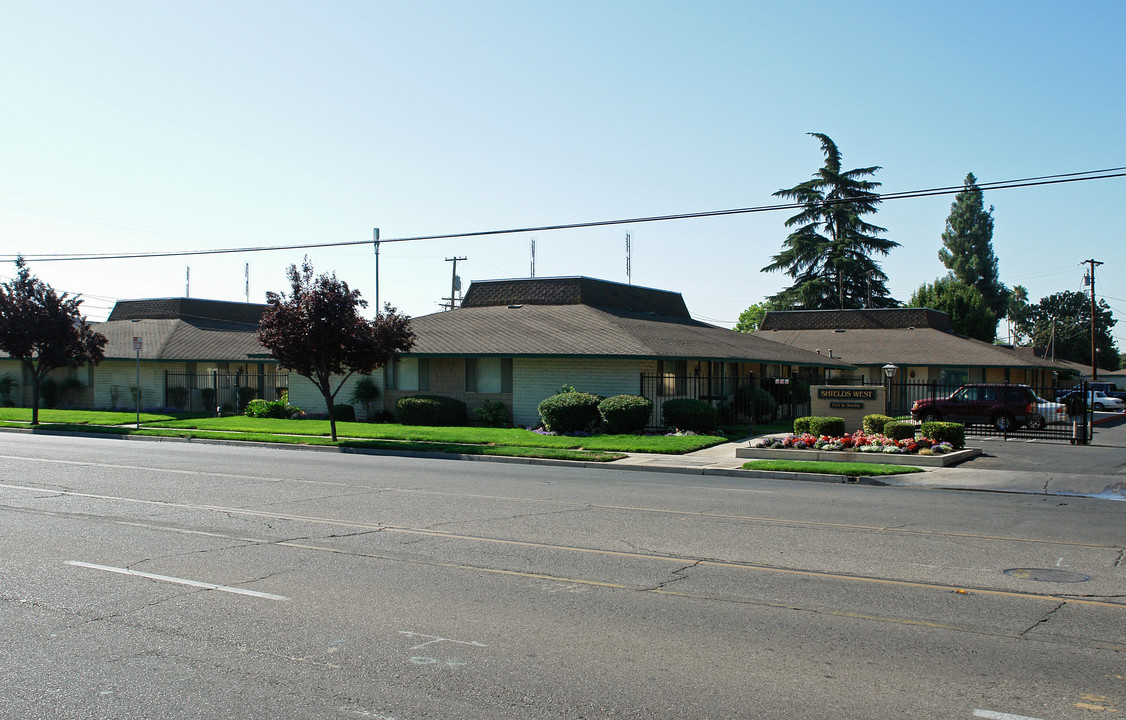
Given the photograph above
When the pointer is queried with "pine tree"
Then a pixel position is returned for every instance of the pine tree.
(968, 246)
(828, 253)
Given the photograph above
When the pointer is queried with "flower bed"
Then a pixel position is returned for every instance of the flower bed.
(859, 441)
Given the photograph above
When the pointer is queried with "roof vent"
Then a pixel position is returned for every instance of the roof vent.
(515, 307)
(910, 327)
(839, 330)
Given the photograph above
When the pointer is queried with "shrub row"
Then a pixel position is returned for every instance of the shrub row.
(431, 410)
(817, 425)
(690, 415)
(279, 408)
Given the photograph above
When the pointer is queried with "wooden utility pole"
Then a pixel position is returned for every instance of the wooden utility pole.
(1094, 356)
(455, 284)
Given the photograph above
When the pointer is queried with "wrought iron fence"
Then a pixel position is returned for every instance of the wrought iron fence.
(996, 409)
(759, 402)
(739, 400)
(221, 391)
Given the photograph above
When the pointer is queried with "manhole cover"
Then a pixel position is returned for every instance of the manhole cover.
(1046, 575)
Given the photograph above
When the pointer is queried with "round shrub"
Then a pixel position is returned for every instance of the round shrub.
(898, 430)
(687, 414)
(874, 424)
(280, 409)
(492, 413)
(430, 410)
(625, 414)
(570, 412)
(953, 433)
(344, 413)
(801, 424)
(831, 426)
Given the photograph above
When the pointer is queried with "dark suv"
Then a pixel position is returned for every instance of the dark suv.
(1006, 407)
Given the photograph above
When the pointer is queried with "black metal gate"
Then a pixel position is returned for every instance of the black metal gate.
(221, 391)
(1056, 414)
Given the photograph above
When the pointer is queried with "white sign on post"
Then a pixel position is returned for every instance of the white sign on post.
(138, 344)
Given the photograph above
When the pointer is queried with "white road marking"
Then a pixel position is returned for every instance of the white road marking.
(991, 715)
(174, 471)
(178, 581)
(435, 639)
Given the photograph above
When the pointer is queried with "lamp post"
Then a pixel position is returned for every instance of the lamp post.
(138, 343)
(889, 373)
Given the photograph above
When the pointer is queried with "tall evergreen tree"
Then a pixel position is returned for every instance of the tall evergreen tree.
(967, 246)
(829, 251)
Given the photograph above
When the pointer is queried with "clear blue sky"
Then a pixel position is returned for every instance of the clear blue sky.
(175, 126)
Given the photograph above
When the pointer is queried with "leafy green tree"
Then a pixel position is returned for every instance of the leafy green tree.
(829, 251)
(1062, 322)
(751, 318)
(317, 332)
(1015, 310)
(44, 330)
(967, 246)
(964, 305)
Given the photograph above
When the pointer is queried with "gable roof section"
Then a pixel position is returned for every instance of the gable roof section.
(904, 336)
(575, 291)
(867, 319)
(581, 330)
(184, 329)
(187, 308)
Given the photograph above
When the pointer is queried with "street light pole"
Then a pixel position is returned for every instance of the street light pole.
(889, 373)
(138, 343)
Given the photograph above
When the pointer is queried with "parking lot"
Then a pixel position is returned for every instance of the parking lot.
(1106, 455)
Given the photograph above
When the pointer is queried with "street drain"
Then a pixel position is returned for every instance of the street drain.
(1046, 575)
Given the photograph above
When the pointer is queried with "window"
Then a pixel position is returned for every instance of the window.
(488, 375)
(674, 377)
(411, 373)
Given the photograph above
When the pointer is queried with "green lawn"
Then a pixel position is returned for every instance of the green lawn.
(509, 437)
(851, 469)
(80, 417)
(462, 440)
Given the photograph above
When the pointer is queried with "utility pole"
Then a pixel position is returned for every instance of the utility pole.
(375, 233)
(1091, 277)
(246, 271)
(188, 282)
(533, 268)
(629, 270)
(455, 284)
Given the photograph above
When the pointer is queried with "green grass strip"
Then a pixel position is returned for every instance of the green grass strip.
(81, 417)
(851, 469)
(510, 437)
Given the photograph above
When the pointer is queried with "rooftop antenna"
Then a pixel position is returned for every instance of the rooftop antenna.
(246, 273)
(188, 283)
(629, 277)
(533, 270)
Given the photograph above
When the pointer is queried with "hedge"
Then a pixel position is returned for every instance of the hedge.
(801, 424)
(690, 415)
(874, 424)
(899, 430)
(430, 410)
(570, 412)
(831, 426)
(953, 433)
(342, 412)
(625, 414)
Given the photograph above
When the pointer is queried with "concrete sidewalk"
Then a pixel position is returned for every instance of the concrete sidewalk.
(721, 460)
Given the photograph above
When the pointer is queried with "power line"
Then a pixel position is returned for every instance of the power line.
(1106, 174)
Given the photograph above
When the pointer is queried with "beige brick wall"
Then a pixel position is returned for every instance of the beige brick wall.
(114, 378)
(534, 379)
(447, 378)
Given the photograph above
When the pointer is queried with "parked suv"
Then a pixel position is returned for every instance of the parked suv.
(1006, 407)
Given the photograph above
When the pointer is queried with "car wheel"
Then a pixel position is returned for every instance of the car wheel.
(1003, 422)
(1037, 423)
(1099, 407)
(930, 417)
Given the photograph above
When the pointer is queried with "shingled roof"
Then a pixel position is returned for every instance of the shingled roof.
(186, 329)
(904, 336)
(559, 317)
(575, 291)
(868, 319)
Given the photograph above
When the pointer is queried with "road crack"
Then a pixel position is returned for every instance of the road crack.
(677, 575)
(1046, 618)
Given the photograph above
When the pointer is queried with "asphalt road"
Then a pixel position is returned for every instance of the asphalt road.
(170, 580)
